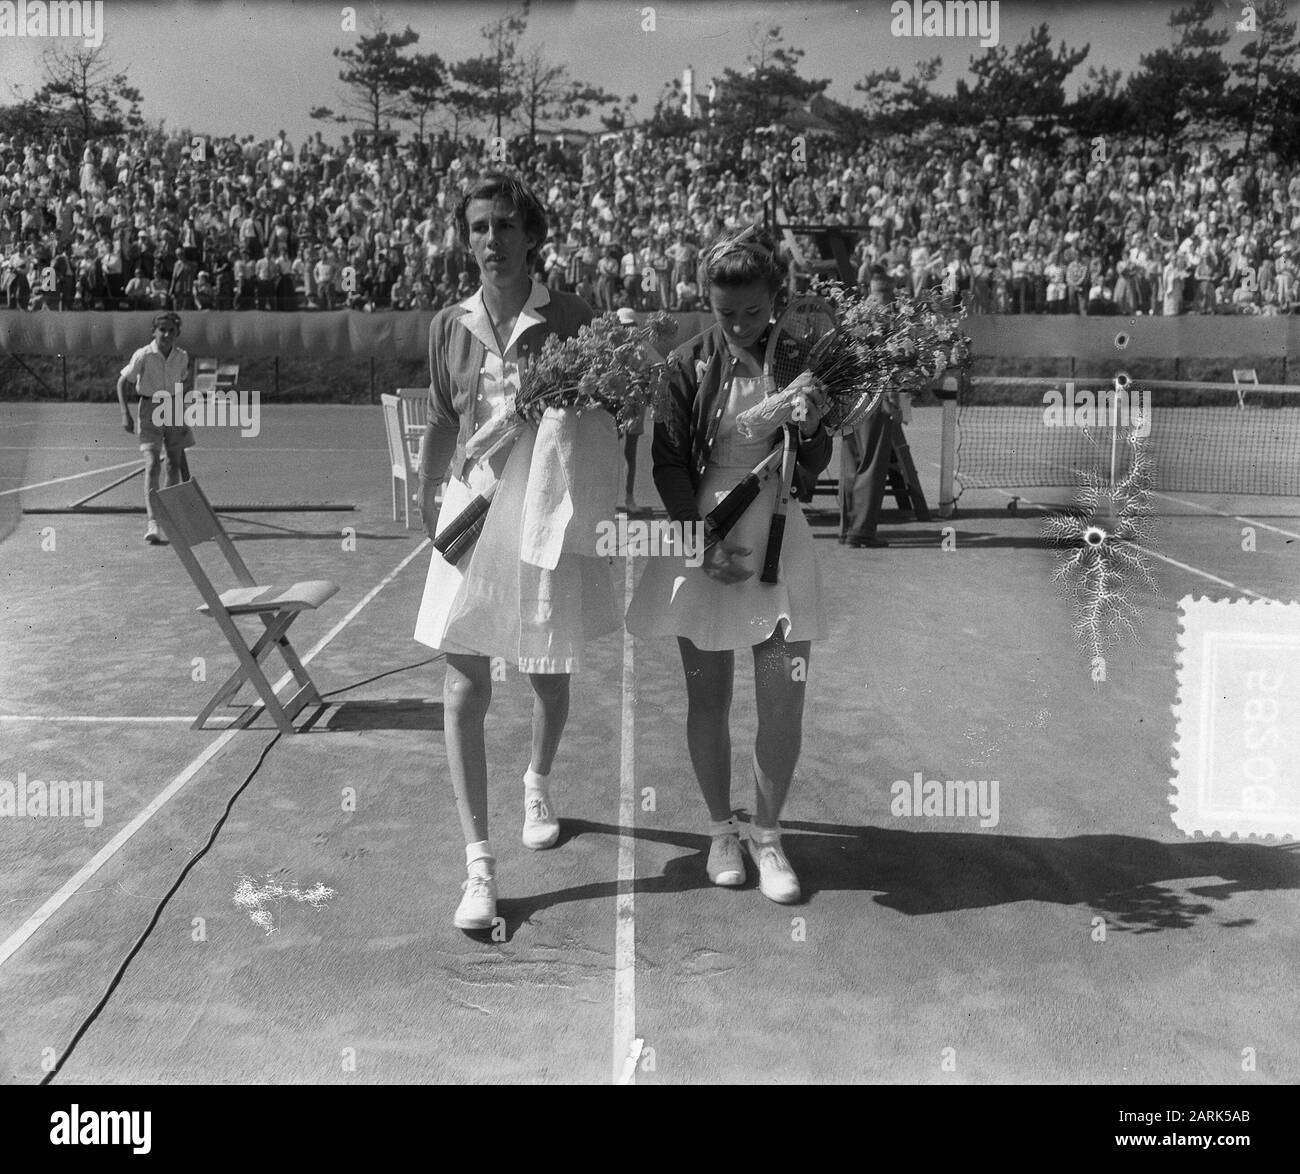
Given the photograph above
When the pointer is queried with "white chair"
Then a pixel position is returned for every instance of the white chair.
(227, 376)
(1244, 377)
(205, 375)
(401, 466)
(413, 411)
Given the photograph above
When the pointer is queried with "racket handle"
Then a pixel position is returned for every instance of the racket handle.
(472, 515)
(457, 549)
(775, 536)
(727, 512)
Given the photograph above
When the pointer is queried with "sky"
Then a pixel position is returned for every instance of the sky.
(258, 67)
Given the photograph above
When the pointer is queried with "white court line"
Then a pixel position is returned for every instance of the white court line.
(1163, 558)
(1211, 510)
(625, 1058)
(1173, 562)
(74, 476)
(70, 887)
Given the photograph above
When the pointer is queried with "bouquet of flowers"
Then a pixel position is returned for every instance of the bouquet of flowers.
(606, 365)
(901, 346)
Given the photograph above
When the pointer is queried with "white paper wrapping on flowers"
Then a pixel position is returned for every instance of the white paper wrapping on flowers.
(775, 409)
(496, 433)
(572, 485)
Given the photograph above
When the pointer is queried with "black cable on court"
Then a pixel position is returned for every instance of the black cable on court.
(419, 664)
(157, 913)
(116, 980)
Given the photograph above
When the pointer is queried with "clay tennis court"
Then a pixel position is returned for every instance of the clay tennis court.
(928, 950)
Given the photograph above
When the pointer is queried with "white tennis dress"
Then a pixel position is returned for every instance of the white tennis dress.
(673, 599)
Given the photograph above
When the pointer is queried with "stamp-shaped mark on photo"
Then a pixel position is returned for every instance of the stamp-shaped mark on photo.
(1238, 718)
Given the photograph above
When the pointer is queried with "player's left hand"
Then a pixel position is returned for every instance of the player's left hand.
(809, 407)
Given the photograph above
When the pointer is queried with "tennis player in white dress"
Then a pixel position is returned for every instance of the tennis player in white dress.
(722, 605)
(494, 602)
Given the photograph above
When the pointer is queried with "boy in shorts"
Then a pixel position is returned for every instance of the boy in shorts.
(157, 368)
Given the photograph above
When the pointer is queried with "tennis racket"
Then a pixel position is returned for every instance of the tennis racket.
(727, 512)
(453, 541)
(461, 534)
(804, 333)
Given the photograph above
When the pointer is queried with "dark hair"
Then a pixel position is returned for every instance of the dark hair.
(747, 256)
(166, 316)
(498, 185)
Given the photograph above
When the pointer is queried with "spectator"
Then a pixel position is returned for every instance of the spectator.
(223, 281)
(137, 291)
(1125, 295)
(607, 274)
(1076, 283)
(688, 294)
(182, 284)
(285, 296)
(631, 276)
(204, 294)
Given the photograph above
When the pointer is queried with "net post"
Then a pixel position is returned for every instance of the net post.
(1114, 443)
(947, 393)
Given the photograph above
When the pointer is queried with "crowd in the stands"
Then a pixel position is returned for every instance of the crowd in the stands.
(146, 221)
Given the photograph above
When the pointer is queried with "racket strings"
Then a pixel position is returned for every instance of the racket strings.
(808, 340)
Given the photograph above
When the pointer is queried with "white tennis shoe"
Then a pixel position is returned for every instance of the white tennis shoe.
(478, 907)
(776, 878)
(726, 865)
(541, 825)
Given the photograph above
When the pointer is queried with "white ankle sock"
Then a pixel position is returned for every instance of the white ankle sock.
(726, 827)
(479, 850)
(535, 782)
(765, 835)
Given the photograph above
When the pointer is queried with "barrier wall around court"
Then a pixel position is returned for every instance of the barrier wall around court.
(404, 335)
(243, 334)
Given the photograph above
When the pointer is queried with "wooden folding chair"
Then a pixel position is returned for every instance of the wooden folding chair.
(402, 467)
(188, 520)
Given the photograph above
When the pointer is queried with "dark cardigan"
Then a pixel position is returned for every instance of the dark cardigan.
(687, 418)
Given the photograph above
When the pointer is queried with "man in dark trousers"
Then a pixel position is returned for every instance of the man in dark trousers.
(865, 453)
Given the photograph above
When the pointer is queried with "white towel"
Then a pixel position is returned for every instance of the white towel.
(572, 485)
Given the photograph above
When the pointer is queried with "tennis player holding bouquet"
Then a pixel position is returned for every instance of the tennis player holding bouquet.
(530, 588)
(717, 384)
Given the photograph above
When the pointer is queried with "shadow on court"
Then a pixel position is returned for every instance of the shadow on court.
(401, 713)
(922, 873)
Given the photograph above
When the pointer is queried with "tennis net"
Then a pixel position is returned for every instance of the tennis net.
(1203, 437)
